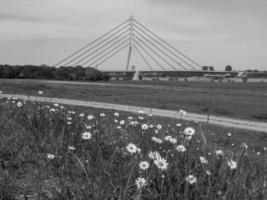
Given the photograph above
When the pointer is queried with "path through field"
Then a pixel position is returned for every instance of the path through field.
(221, 121)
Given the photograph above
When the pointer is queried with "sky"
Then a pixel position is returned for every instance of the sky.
(211, 32)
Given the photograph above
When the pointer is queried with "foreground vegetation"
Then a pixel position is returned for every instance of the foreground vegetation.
(234, 100)
(53, 152)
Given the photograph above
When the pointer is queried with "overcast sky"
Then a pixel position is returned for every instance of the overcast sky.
(212, 32)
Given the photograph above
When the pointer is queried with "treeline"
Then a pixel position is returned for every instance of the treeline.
(47, 72)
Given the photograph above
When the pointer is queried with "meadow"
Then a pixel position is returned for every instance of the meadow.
(58, 152)
(234, 100)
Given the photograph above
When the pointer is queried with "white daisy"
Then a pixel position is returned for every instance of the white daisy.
(19, 104)
(90, 117)
(189, 131)
(86, 136)
(144, 165)
(144, 126)
(50, 156)
(161, 163)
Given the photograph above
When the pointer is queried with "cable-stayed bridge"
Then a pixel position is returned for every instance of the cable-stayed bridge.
(155, 54)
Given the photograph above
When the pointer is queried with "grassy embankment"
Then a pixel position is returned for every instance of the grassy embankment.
(236, 100)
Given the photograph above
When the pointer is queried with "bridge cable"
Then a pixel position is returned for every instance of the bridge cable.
(104, 52)
(144, 59)
(91, 43)
(156, 53)
(154, 59)
(161, 51)
(168, 44)
(166, 48)
(102, 46)
(112, 55)
(96, 45)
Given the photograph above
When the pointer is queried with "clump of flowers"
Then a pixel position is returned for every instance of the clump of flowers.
(181, 148)
(140, 182)
(132, 148)
(157, 140)
(232, 164)
(203, 160)
(191, 179)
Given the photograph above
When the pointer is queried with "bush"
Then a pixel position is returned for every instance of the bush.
(46, 72)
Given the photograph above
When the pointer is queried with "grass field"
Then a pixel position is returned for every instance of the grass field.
(55, 152)
(237, 100)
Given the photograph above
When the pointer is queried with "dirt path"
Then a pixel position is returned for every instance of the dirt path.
(221, 121)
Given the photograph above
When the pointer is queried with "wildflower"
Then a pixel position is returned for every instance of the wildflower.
(81, 115)
(258, 153)
(56, 105)
(168, 138)
(203, 160)
(191, 179)
(69, 118)
(159, 127)
(181, 148)
(141, 117)
(151, 126)
(132, 148)
(71, 148)
(40, 92)
(157, 140)
(52, 110)
(153, 155)
(102, 115)
(173, 141)
(140, 182)
(88, 126)
(244, 145)
(229, 134)
(219, 152)
(0, 92)
(144, 165)
(140, 112)
(178, 124)
(182, 112)
(161, 163)
(232, 164)
(118, 127)
(19, 104)
(68, 123)
(122, 122)
(144, 126)
(62, 107)
(116, 121)
(265, 148)
(50, 156)
(208, 172)
(189, 131)
(150, 114)
(86, 136)
(132, 123)
(90, 117)
(156, 131)
(130, 118)
(116, 114)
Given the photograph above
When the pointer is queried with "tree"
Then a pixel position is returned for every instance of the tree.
(228, 68)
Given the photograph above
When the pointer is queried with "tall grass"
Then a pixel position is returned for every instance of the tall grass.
(51, 152)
